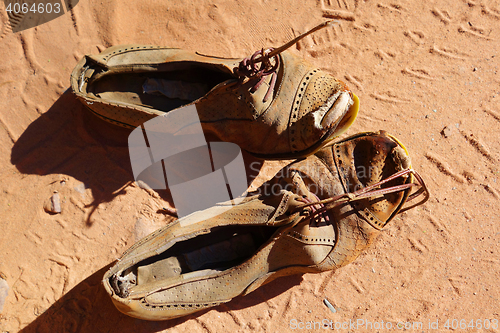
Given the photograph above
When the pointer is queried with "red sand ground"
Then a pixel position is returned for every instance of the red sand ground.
(418, 68)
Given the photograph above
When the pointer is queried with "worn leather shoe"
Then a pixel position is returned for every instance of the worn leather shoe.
(274, 104)
(315, 215)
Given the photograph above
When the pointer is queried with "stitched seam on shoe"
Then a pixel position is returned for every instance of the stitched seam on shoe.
(369, 217)
(294, 112)
(282, 207)
(340, 170)
(175, 306)
(311, 240)
(121, 51)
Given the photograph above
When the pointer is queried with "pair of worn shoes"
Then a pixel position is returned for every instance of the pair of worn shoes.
(273, 104)
(317, 214)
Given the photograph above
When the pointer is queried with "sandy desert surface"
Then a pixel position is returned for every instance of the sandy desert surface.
(426, 72)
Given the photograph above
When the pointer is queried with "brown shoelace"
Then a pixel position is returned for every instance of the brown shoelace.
(317, 218)
(248, 68)
(370, 191)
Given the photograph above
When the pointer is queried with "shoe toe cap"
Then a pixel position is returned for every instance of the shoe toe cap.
(324, 108)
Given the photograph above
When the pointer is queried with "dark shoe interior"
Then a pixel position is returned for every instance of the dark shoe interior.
(179, 87)
(222, 248)
(374, 161)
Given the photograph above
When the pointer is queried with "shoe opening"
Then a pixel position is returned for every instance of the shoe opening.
(219, 250)
(162, 89)
(377, 157)
(373, 160)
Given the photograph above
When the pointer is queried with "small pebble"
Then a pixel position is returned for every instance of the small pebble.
(53, 204)
(329, 305)
(80, 188)
(143, 185)
(447, 131)
(4, 291)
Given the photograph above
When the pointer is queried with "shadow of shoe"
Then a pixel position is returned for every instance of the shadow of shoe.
(87, 308)
(68, 140)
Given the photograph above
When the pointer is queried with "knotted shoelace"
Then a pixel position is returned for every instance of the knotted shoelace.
(319, 208)
(316, 217)
(269, 61)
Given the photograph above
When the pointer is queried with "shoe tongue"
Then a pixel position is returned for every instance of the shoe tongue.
(308, 178)
(318, 176)
(366, 159)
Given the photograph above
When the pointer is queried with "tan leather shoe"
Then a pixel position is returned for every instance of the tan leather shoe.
(317, 214)
(274, 104)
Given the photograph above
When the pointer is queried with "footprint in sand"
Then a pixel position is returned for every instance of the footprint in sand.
(419, 73)
(442, 15)
(339, 9)
(450, 53)
(416, 36)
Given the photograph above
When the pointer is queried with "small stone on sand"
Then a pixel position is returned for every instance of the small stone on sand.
(143, 185)
(329, 305)
(447, 131)
(80, 188)
(4, 291)
(53, 204)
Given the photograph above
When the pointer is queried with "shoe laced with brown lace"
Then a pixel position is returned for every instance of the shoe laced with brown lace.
(315, 215)
(273, 104)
